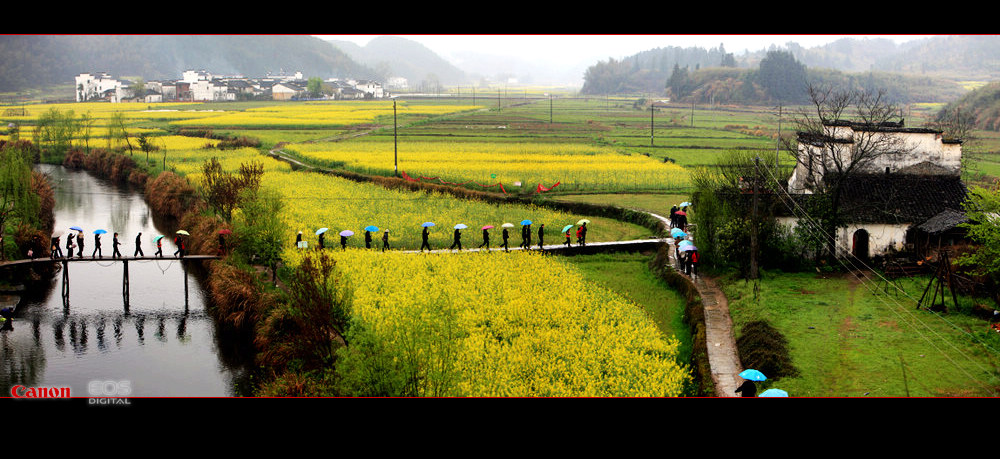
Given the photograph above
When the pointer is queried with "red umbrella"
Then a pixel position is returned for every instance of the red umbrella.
(680, 212)
(225, 231)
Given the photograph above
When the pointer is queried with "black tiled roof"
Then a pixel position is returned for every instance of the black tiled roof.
(900, 198)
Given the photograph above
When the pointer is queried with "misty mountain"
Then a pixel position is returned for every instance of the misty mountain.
(31, 61)
(401, 57)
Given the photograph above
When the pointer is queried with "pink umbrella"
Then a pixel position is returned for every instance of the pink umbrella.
(488, 227)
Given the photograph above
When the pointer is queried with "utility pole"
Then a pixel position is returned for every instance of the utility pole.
(777, 142)
(651, 110)
(395, 142)
(550, 108)
(754, 274)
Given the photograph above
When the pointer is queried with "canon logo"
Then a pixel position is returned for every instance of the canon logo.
(20, 391)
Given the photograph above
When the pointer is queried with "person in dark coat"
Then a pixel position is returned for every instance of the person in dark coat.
(368, 239)
(505, 235)
(69, 246)
(180, 246)
(583, 235)
(747, 389)
(79, 242)
(114, 244)
(673, 216)
(541, 236)
(385, 240)
(320, 243)
(486, 239)
(423, 236)
(56, 249)
(138, 246)
(525, 231)
(97, 247)
(298, 238)
(458, 240)
(343, 242)
(568, 239)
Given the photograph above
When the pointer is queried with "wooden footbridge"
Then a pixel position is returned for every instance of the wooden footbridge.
(65, 261)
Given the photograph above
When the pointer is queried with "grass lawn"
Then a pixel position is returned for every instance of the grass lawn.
(847, 341)
(628, 274)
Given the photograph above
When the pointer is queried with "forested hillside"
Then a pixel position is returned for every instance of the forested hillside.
(30, 61)
(980, 106)
(925, 70)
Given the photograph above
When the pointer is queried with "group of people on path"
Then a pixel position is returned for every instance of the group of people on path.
(77, 243)
(687, 260)
(526, 238)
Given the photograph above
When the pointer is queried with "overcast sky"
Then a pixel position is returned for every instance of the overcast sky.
(573, 48)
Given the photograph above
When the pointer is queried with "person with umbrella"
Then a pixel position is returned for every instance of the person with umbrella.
(579, 236)
(385, 240)
(694, 263)
(505, 235)
(79, 242)
(343, 238)
(748, 388)
(56, 251)
(298, 239)
(569, 237)
(541, 236)
(97, 245)
(179, 242)
(115, 253)
(69, 246)
(368, 239)
(159, 247)
(583, 233)
(486, 238)
(320, 242)
(138, 246)
(673, 216)
(458, 239)
(424, 235)
(526, 234)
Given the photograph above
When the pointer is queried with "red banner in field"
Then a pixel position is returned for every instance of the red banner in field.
(542, 188)
(438, 179)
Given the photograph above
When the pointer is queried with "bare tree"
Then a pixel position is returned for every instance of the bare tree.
(845, 133)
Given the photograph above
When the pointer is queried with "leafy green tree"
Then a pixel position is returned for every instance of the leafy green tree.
(17, 201)
(982, 208)
(223, 190)
(258, 228)
(783, 77)
(314, 86)
(54, 131)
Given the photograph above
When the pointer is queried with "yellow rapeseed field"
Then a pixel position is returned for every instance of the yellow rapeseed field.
(516, 324)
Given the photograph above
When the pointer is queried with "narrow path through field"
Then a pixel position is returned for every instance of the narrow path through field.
(722, 355)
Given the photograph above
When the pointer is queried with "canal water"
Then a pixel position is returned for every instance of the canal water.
(162, 344)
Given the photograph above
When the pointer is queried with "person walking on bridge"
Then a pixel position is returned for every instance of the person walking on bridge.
(541, 236)
(138, 246)
(505, 235)
(97, 247)
(115, 244)
(458, 240)
(69, 246)
(56, 251)
(79, 242)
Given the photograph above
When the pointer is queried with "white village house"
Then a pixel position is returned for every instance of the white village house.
(199, 85)
(890, 198)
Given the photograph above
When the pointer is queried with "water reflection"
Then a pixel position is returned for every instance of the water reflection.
(158, 338)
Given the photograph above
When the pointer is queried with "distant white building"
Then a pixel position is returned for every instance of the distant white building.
(96, 86)
(211, 90)
(193, 76)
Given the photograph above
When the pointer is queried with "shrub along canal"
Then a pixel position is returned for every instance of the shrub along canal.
(163, 343)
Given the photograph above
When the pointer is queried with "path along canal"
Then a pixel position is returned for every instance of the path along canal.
(162, 344)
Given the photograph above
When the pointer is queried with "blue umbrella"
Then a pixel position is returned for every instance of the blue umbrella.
(684, 243)
(525, 222)
(76, 228)
(566, 228)
(684, 204)
(773, 393)
(428, 224)
(752, 375)
(100, 231)
(678, 234)
(371, 228)
(157, 238)
(321, 231)
(461, 226)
